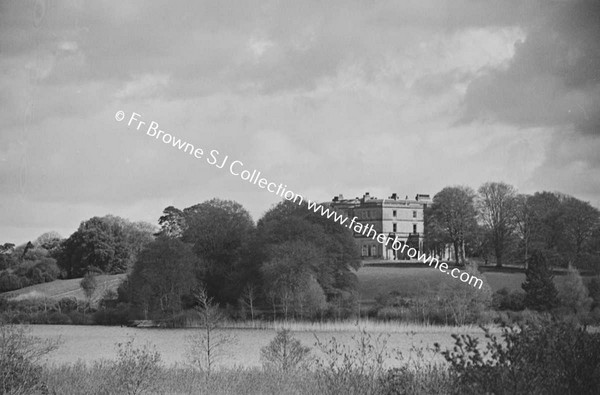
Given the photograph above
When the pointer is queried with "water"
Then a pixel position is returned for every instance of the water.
(90, 343)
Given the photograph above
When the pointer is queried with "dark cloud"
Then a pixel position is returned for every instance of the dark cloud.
(554, 78)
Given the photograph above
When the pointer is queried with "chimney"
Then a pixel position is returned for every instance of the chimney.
(335, 199)
(394, 196)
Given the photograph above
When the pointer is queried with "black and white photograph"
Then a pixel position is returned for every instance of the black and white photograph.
(364, 197)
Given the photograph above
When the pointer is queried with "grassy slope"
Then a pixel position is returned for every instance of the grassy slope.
(66, 288)
(375, 280)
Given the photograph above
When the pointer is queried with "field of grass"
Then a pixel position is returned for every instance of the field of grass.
(376, 280)
(66, 288)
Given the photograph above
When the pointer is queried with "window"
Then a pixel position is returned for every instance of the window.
(373, 250)
(394, 213)
(394, 228)
(414, 214)
(364, 251)
(414, 228)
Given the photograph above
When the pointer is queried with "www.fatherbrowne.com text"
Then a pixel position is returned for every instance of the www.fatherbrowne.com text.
(237, 168)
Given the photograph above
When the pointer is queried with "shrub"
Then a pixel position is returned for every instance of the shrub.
(137, 370)
(9, 281)
(573, 295)
(352, 368)
(505, 299)
(546, 358)
(58, 319)
(284, 353)
(20, 354)
(119, 315)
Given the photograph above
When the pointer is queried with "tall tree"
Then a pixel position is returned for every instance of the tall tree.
(453, 210)
(524, 223)
(172, 222)
(289, 222)
(581, 219)
(496, 207)
(162, 275)
(220, 232)
(547, 222)
(540, 292)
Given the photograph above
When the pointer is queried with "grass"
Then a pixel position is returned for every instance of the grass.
(378, 280)
(58, 289)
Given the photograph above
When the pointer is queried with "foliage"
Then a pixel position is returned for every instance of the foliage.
(466, 304)
(352, 368)
(573, 294)
(162, 275)
(88, 284)
(220, 232)
(540, 291)
(453, 213)
(108, 243)
(284, 353)
(20, 357)
(136, 370)
(496, 205)
(504, 299)
(291, 229)
(289, 276)
(546, 358)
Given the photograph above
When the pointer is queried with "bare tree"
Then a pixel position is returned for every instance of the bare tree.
(249, 298)
(207, 346)
(496, 204)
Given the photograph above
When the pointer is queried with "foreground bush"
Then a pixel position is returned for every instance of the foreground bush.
(284, 353)
(20, 355)
(548, 357)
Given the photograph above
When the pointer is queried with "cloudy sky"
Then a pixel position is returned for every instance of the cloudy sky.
(326, 97)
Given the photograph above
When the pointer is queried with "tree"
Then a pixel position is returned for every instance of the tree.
(547, 224)
(97, 243)
(337, 253)
(288, 271)
(453, 211)
(162, 275)
(540, 291)
(523, 223)
(207, 346)
(89, 285)
(220, 232)
(172, 222)
(496, 204)
(248, 299)
(573, 294)
(580, 221)
(464, 302)
(108, 243)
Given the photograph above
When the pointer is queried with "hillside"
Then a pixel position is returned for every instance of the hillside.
(66, 288)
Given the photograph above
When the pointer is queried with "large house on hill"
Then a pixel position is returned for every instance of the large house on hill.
(395, 217)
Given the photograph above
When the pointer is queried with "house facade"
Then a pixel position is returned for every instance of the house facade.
(398, 218)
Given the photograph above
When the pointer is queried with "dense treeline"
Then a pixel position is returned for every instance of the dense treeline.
(498, 224)
(293, 261)
(296, 264)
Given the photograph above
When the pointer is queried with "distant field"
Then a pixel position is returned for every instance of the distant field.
(375, 280)
(66, 288)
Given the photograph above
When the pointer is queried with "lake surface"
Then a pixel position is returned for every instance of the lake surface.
(90, 343)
